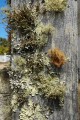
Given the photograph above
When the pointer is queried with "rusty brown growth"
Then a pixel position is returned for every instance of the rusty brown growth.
(57, 56)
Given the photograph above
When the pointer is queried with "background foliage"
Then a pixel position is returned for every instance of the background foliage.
(4, 46)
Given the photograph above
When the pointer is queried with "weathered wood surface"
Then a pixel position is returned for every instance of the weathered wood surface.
(79, 38)
(66, 38)
(5, 110)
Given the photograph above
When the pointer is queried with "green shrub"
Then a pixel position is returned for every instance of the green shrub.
(4, 50)
(4, 46)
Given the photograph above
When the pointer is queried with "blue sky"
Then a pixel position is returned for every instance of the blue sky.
(3, 32)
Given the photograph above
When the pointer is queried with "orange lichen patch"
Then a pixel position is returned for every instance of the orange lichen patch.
(58, 57)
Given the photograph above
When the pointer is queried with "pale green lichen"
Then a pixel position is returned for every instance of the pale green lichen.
(35, 78)
(55, 5)
(14, 101)
(42, 31)
(51, 87)
(19, 61)
(31, 112)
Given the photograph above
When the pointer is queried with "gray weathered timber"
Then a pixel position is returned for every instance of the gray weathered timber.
(5, 110)
(66, 38)
(79, 38)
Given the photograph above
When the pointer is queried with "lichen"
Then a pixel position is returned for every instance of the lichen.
(45, 28)
(38, 38)
(32, 72)
(51, 87)
(14, 101)
(21, 20)
(31, 112)
(55, 5)
(34, 34)
(33, 77)
(19, 63)
(42, 32)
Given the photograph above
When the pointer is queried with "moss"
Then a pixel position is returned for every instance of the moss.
(55, 5)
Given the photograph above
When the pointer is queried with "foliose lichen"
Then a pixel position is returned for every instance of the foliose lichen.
(55, 5)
